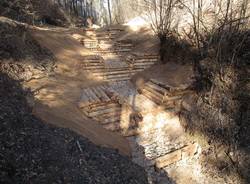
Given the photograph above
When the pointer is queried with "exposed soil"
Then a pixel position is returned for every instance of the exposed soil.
(32, 151)
(34, 12)
(21, 55)
(217, 115)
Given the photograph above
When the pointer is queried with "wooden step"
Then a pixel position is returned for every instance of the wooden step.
(94, 67)
(105, 111)
(146, 60)
(118, 79)
(153, 98)
(168, 159)
(112, 114)
(101, 94)
(88, 64)
(143, 64)
(91, 95)
(118, 75)
(119, 72)
(105, 106)
(151, 90)
(156, 87)
(114, 119)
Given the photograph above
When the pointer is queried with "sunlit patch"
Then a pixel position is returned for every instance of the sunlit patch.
(137, 23)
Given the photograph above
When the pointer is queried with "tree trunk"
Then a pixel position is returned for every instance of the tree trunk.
(110, 18)
(163, 40)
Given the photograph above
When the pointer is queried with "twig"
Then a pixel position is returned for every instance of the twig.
(79, 146)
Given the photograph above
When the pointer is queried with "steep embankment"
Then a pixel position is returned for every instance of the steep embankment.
(32, 151)
(34, 12)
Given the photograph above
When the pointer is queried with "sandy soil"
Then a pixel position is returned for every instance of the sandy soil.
(57, 95)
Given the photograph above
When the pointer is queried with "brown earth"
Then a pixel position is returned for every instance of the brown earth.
(57, 96)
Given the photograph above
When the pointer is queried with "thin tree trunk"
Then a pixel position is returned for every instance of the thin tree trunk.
(110, 18)
(82, 8)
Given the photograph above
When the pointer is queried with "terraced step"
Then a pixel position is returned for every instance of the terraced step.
(90, 44)
(104, 104)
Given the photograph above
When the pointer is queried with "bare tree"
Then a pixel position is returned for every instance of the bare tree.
(160, 14)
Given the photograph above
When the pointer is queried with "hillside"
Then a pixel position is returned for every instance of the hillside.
(33, 151)
(126, 91)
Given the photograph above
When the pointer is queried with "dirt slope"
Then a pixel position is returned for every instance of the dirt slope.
(57, 96)
(34, 152)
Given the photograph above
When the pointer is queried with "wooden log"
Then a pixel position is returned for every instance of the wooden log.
(142, 67)
(92, 61)
(152, 94)
(167, 87)
(118, 79)
(168, 159)
(90, 107)
(104, 97)
(105, 111)
(123, 49)
(104, 88)
(93, 98)
(97, 93)
(122, 68)
(172, 98)
(155, 100)
(88, 64)
(94, 67)
(156, 87)
(151, 90)
(112, 114)
(109, 120)
(146, 59)
(143, 64)
(97, 71)
(119, 72)
(118, 76)
(84, 101)
(105, 106)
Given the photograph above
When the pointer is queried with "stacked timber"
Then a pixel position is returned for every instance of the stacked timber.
(108, 47)
(120, 74)
(123, 46)
(93, 96)
(89, 32)
(109, 70)
(90, 43)
(164, 94)
(108, 34)
(154, 92)
(105, 105)
(143, 62)
(114, 50)
(93, 63)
